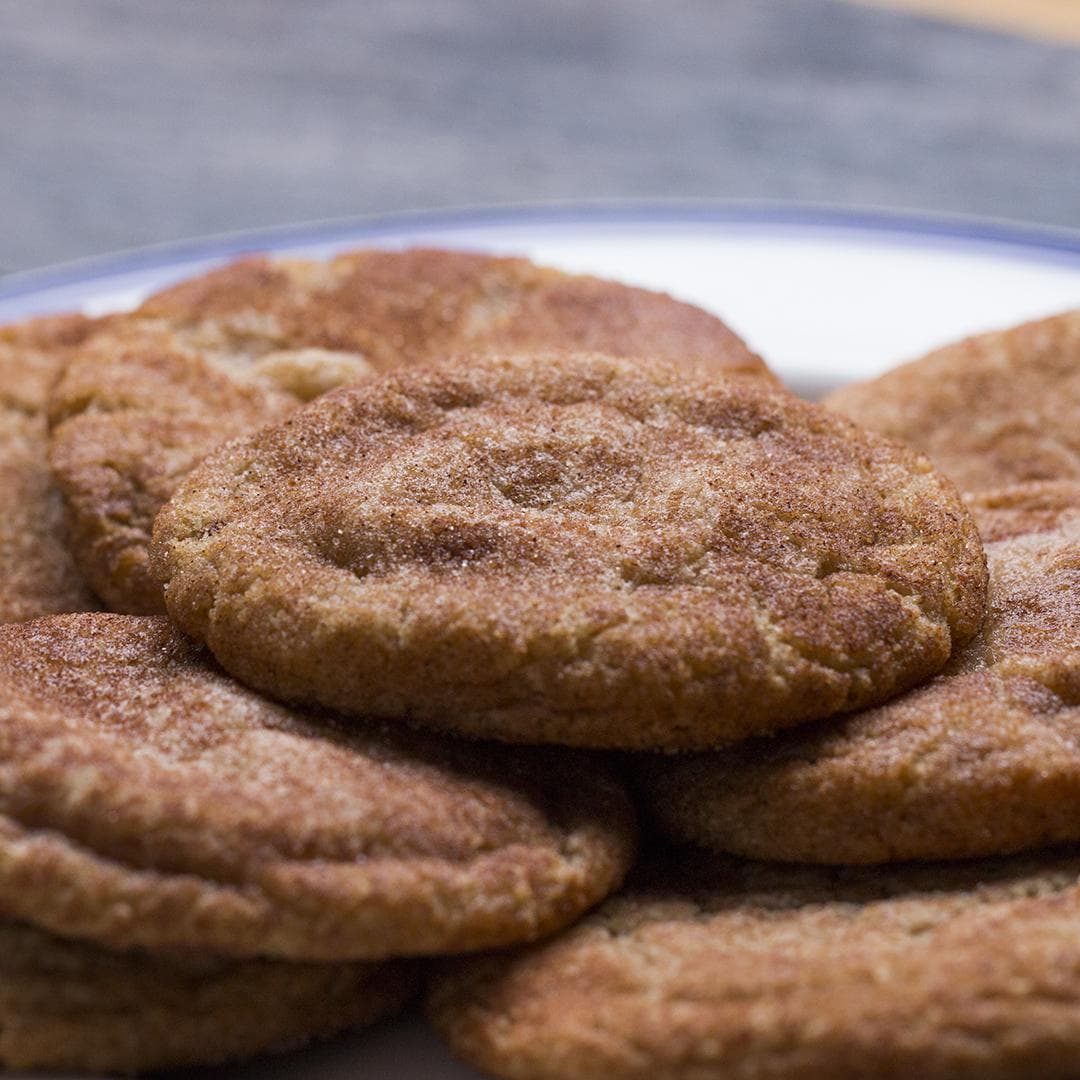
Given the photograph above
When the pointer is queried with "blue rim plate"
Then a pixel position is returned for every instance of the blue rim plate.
(826, 294)
(1031, 240)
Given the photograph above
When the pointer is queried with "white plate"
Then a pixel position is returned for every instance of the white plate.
(825, 295)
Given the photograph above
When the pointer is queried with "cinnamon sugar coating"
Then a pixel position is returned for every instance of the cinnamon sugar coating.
(721, 969)
(984, 759)
(1021, 509)
(991, 410)
(71, 1006)
(37, 574)
(218, 356)
(572, 549)
(148, 800)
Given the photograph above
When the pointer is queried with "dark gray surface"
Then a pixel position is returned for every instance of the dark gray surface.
(125, 122)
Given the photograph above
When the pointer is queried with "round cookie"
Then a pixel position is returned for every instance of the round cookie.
(762, 972)
(37, 574)
(991, 410)
(147, 800)
(572, 549)
(220, 355)
(984, 759)
(67, 1005)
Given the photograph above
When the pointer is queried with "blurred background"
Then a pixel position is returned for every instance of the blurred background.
(129, 122)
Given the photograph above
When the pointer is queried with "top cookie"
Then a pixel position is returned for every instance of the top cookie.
(148, 800)
(218, 356)
(37, 574)
(992, 410)
(574, 549)
(984, 759)
(721, 969)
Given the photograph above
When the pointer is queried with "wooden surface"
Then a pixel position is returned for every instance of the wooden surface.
(125, 122)
(1052, 19)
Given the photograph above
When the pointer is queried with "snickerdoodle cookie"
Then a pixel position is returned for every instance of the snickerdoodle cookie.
(983, 759)
(148, 800)
(573, 549)
(37, 574)
(991, 410)
(67, 1005)
(722, 969)
(218, 356)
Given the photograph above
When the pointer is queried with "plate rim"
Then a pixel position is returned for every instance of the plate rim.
(1046, 242)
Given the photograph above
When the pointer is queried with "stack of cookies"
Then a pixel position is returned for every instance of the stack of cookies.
(427, 575)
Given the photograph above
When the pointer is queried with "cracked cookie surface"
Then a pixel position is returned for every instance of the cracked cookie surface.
(573, 549)
(989, 411)
(983, 759)
(146, 799)
(68, 1005)
(216, 357)
(717, 968)
(1023, 509)
(37, 573)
